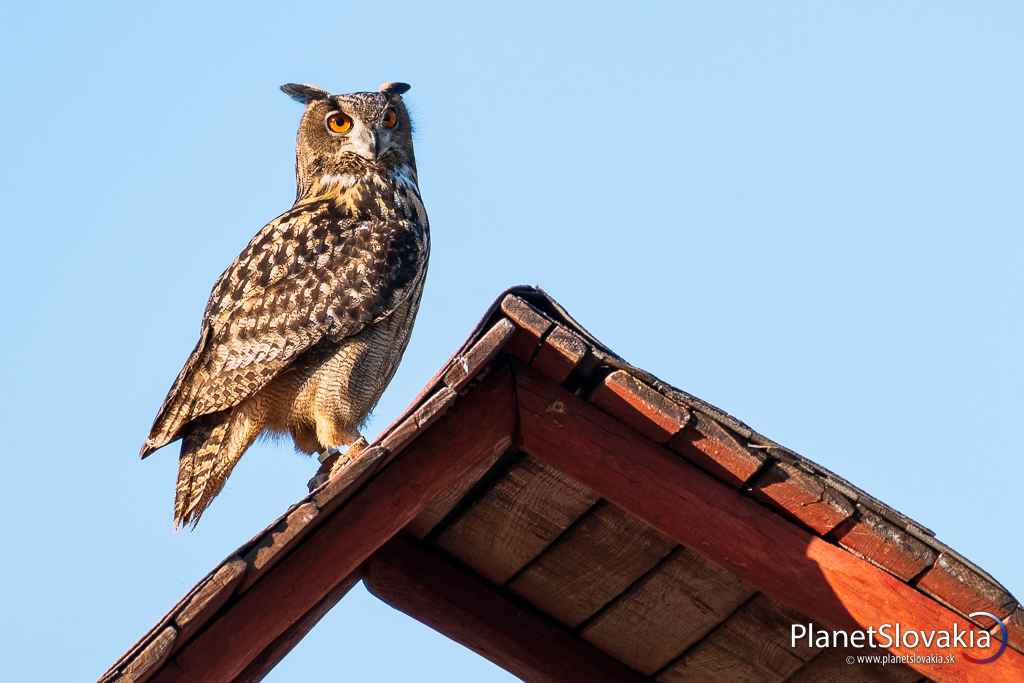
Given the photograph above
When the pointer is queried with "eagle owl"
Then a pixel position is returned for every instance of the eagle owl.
(305, 329)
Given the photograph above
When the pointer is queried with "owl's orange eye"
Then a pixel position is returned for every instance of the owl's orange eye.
(390, 119)
(339, 123)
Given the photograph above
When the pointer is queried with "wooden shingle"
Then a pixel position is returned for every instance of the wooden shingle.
(881, 543)
(640, 406)
(715, 450)
(803, 496)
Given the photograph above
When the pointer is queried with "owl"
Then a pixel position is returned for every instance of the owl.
(304, 330)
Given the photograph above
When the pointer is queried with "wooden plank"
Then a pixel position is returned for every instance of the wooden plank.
(209, 598)
(531, 326)
(964, 589)
(831, 667)
(398, 437)
(468, 364)
(878, 541)
(435, 591)
(714, 449)
(668, 611)
(438, 508)
(147, 638)
(1014, 628)
(275, 543)
(561, 353)
(803, 496)
(592, 563)
(790, 564)
(640, 406)
(352, 473)
(472, 430)
(265, 662)
(516, 519)
(146, 662)
(751, 645)
(433, 408)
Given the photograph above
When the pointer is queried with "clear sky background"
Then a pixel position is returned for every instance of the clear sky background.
(807, 214)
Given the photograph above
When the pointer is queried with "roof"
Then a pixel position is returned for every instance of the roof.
(574, 518)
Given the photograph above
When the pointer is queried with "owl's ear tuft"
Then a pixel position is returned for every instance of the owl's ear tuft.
(389, 88)
(300, 92)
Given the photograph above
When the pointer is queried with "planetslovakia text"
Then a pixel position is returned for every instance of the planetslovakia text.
(889, 636)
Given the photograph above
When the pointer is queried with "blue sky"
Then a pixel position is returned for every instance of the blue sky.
(809, 214)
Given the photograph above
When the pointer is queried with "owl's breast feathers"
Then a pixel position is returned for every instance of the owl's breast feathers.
(327, 268)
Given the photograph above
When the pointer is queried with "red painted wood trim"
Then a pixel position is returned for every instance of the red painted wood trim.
(788, 563)
(802, 495)
(641, 407)
(279, 649)
(477, 424)
(470, 611)
(963, 588)
(880, 542)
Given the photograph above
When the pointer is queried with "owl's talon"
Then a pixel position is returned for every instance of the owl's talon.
(333, 461)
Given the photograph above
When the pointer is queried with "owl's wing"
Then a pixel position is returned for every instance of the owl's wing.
(308, 275)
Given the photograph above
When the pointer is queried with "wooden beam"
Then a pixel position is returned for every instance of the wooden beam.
(279, 649)
(477, 425)
(434, 590)
(791, 565)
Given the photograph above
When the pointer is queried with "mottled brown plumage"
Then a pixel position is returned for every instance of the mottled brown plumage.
(304, 330)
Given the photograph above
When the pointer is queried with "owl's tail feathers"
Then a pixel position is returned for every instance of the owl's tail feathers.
(178, 407)
(209, 451)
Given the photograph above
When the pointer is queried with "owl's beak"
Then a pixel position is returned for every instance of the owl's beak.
(374, 144)
(367, 144)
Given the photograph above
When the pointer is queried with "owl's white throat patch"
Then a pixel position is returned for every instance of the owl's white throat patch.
(344, 180)
(401, 176)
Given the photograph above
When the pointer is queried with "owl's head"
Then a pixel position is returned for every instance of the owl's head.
(351, 133)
